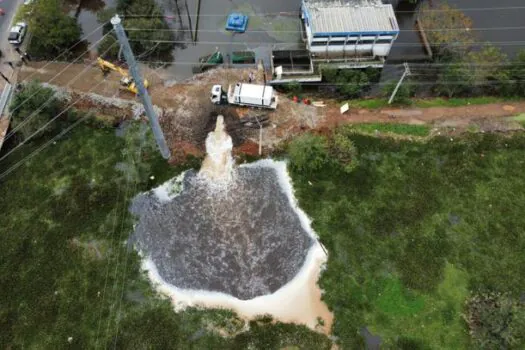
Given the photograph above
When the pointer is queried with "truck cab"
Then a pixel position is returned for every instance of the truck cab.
(218, 95)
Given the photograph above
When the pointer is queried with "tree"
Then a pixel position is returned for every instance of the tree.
(148, 37)
(517, 74)
(446, 28)
(308, 153)
(29, 100)
(455, 79)
(496, 321)
(53, 31)
(490, 69)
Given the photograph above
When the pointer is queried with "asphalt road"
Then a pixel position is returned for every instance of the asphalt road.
(10, 7)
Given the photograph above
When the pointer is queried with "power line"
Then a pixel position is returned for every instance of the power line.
(48, 101)
(81, 40)
(43, 147)
(297, 13)
(300, 31)
(280, 43)
(53, 78)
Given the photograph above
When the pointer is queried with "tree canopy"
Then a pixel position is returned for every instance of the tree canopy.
(34, 98)
(53, 31)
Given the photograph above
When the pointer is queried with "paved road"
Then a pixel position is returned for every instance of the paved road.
(10, 7)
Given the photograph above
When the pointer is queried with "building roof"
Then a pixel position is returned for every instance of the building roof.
(351, 16)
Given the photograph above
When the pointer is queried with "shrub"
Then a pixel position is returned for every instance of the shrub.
(404, 93)
(37, 99)
(349, 82)
(308, 153)
(455, 79)
(517, 74)
(496, 321)
(343, 149)
(293, 88)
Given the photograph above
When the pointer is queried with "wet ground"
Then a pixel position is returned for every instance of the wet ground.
(246, 242)
(275, 24)
(271, 24)
(499, 22)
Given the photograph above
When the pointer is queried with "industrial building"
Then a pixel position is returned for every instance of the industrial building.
(344, 34)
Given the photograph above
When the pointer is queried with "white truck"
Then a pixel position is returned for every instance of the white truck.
(245, 95)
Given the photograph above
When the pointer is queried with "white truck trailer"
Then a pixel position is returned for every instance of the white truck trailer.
(245, 95)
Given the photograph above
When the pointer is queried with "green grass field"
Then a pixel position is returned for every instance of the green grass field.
(67, 278)
(414, 230)
(394, 128)
(375, 103)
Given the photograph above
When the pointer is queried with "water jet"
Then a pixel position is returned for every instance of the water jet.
(232, 237)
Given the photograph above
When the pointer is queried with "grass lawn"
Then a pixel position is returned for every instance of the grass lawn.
(67, 278)
(414, 230)
(376, 103)
(399, 129)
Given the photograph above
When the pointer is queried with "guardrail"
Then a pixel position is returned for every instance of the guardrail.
(4, 98)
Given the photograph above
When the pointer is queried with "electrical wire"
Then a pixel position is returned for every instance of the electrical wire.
(277, 43)
(300, 31)
(81, 40)
(35, 113)
(282, 13)
(41, 87)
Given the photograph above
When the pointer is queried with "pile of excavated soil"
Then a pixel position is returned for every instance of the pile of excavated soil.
(246, 241)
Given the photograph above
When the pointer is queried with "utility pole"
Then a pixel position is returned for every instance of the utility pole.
(142, 92)
(405, 73)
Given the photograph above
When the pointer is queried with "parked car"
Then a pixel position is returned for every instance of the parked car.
(17, 33)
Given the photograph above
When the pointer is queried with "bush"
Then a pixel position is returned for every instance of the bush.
(349, 82)
(404, 93)
(455, 79)
(496, 321)
(308, 153)
(293, 88)
(343, 149)
(517, 74)
(32, 98)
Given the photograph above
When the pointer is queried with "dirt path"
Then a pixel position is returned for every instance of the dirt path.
(440, 116)
(186, 108)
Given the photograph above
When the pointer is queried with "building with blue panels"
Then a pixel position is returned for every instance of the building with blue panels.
(349, 30)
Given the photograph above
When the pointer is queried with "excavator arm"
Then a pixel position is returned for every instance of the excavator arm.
(126, 80)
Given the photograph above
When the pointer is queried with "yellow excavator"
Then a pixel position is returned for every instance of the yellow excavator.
(126, 81)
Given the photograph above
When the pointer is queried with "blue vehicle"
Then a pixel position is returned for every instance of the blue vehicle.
(237, 22)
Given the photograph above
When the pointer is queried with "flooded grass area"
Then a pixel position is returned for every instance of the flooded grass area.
(414, 231)
(68, 277)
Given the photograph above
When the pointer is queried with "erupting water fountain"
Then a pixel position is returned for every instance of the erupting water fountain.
(232, 237)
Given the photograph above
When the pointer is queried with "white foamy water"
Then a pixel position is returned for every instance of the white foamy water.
(218, 164)
(298, 300)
